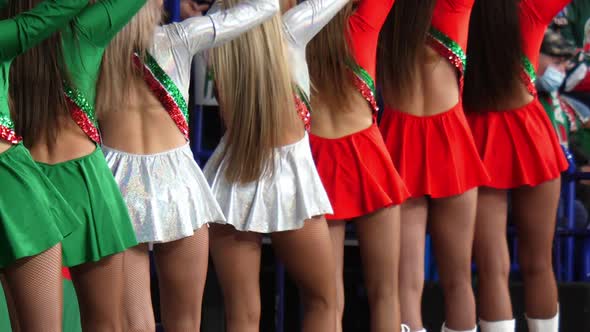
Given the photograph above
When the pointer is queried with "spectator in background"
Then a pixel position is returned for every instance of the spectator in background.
(554, 62)
(568, 115)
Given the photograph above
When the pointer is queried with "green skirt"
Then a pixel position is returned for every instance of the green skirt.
(33, 214)
(89, 187)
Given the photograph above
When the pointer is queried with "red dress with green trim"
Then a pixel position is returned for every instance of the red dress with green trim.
(436, 155)
(519, 147)
(356, 170)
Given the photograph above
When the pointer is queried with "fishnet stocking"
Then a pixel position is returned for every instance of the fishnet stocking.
(182, 271)
(137, 299)
(34, 287)
(99, 286)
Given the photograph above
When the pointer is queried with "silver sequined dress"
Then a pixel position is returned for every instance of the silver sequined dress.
(166, 193)
(295, 193)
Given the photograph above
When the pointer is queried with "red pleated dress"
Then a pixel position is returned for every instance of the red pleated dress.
(436, 155)
(520, 147)
(356, 170)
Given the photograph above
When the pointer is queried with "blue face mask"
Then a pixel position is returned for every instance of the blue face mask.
(551, 80)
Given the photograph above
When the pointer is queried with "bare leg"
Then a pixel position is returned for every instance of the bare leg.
(337, 233)
(137, 297)
(379, 242)
(490, 249)
(182, 271)
(99, 286)
(414, 216)
(307, 255)
(35, 287)
(535, 213)
(452, 224)
(236, 256)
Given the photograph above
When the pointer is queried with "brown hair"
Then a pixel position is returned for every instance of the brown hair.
(36, 90)
(255, 94)
(118, 73)
(401, 46)
(328, 58)
(494, 54)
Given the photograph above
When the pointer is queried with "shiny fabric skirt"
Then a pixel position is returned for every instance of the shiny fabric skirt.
(358, 173)
(435, 155)
(518, 147)
(88, 186)
(34, 216)
(166, 193)
(281, 202)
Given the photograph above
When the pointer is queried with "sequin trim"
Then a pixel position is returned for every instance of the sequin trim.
(7, 130)
(448, 48)
(366, 86)
(528, 75)
(303, 111)
(82, 113)
(166, 92)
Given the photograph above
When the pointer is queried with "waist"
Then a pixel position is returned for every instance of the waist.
(139, 132)
(70, 143)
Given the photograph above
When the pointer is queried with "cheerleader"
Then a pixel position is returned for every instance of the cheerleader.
(142, 108)
(263, 174)
(421, 64)
(34, 217)
(519, 147)
(360, 178)
(59, 127)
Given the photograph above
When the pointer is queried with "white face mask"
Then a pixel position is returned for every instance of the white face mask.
(551, 80)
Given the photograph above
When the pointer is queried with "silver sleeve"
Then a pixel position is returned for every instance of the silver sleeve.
(305, 20)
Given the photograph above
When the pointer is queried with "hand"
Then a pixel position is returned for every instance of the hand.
(189, 8)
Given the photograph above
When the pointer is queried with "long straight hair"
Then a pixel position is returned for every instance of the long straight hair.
(36, 91)
(328, 57)
(118, 73)
(256, 97)
(401, 47)
(494, 54)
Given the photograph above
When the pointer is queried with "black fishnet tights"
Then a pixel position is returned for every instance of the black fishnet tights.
(34, 292)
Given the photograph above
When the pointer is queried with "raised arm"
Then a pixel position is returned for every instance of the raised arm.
(544, 10)
(28, 29)
(200, 33)
(372, 13)
(451, 17)
(100, 22)
(305, 20)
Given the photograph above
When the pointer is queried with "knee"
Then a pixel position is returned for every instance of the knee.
(456, 283)
(381, 291)
(534, 266)
(245, 315)
(323, 300)
(493, 268)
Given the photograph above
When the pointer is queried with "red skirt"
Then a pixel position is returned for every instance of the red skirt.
(519, 147)
(357, 173)
(435, 155)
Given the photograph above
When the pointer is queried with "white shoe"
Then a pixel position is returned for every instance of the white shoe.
(405, 328)
(444, 328)
(497, 326)
(543, 325)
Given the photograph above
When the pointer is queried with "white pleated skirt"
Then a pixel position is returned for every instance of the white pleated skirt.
(166, 193)
(275, 203)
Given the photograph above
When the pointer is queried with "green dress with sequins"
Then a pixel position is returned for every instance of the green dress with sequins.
(33, 214)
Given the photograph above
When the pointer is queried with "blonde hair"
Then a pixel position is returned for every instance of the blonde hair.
(329, 59)
(255, 94)
(118, 73)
